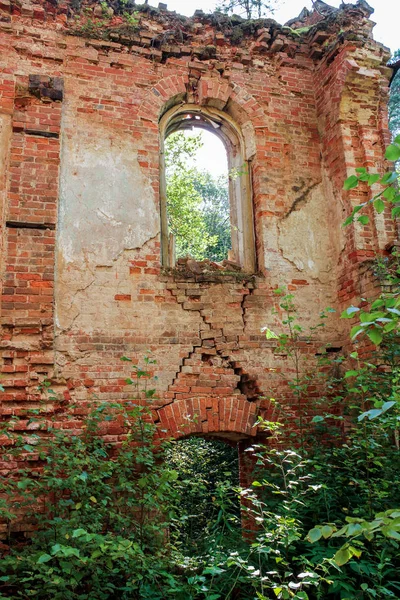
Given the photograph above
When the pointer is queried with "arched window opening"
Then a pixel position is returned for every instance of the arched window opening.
(198, 208)
(203, 217)
(208, 473)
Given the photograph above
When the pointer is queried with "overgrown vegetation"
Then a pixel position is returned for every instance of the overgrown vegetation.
(394, 99)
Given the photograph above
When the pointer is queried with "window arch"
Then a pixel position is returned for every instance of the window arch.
(186, 116)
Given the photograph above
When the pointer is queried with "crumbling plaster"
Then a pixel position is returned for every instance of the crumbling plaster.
(107, 206)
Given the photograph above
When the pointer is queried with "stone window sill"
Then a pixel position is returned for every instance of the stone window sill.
(226, 271)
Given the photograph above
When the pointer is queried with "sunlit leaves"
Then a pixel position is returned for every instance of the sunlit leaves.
(377, 412)
(44, 558)
(269, 334)
(343, 556)
(375, 335)
(379, 205)
(349, 312)
(392, 152)
(350, 183)
(314, 534)
(375, 324)
(389, 194)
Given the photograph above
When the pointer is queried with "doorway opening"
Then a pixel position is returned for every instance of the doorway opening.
(208, 477)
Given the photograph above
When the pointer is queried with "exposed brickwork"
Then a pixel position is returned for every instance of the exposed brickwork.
(82, 277)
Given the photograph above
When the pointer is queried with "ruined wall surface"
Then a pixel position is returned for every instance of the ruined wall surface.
(81, 96)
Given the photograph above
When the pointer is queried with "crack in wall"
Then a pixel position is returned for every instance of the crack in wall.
(210, 346)
(302, 199)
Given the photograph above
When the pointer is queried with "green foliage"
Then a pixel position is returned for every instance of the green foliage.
(387, 196)
(197, 204)
(216, 213)
(394, 99)
(208, 474)
(383, 315)
(250, 9)
(94, 505)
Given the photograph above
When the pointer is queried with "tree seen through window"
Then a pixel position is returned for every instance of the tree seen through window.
(198, 205)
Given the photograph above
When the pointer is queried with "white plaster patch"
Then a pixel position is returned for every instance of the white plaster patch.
(303, 238)
(107, 205)
(5, 136)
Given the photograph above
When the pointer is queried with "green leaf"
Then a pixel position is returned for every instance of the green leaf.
(342, 556)
(317, 419)
(355, 551)
(350, 183)
(354, 529)
(395, 212)
(348, 220)
(44, 558)
(373, 178)
(375, 335)
(78, 533)
(351, 374)
(391, 533)
(389, 178)
(379, 205)
(392, 152)
(349, 312)
(387, 405)
(357, 208)
(270, 335)
(377, 304)
(314, 535)
(389, 194)
(327, 531)
(355, 331)
(213, 570)
(363, 219)
(370, 414)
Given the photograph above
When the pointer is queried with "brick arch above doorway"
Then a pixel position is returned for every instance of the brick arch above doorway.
(231, 417)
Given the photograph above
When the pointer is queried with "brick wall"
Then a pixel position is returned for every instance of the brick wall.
(82, 278)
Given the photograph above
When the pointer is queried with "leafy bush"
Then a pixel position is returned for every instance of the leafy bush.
(102, 512)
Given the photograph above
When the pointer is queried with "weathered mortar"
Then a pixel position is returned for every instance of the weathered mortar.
(79, 191)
